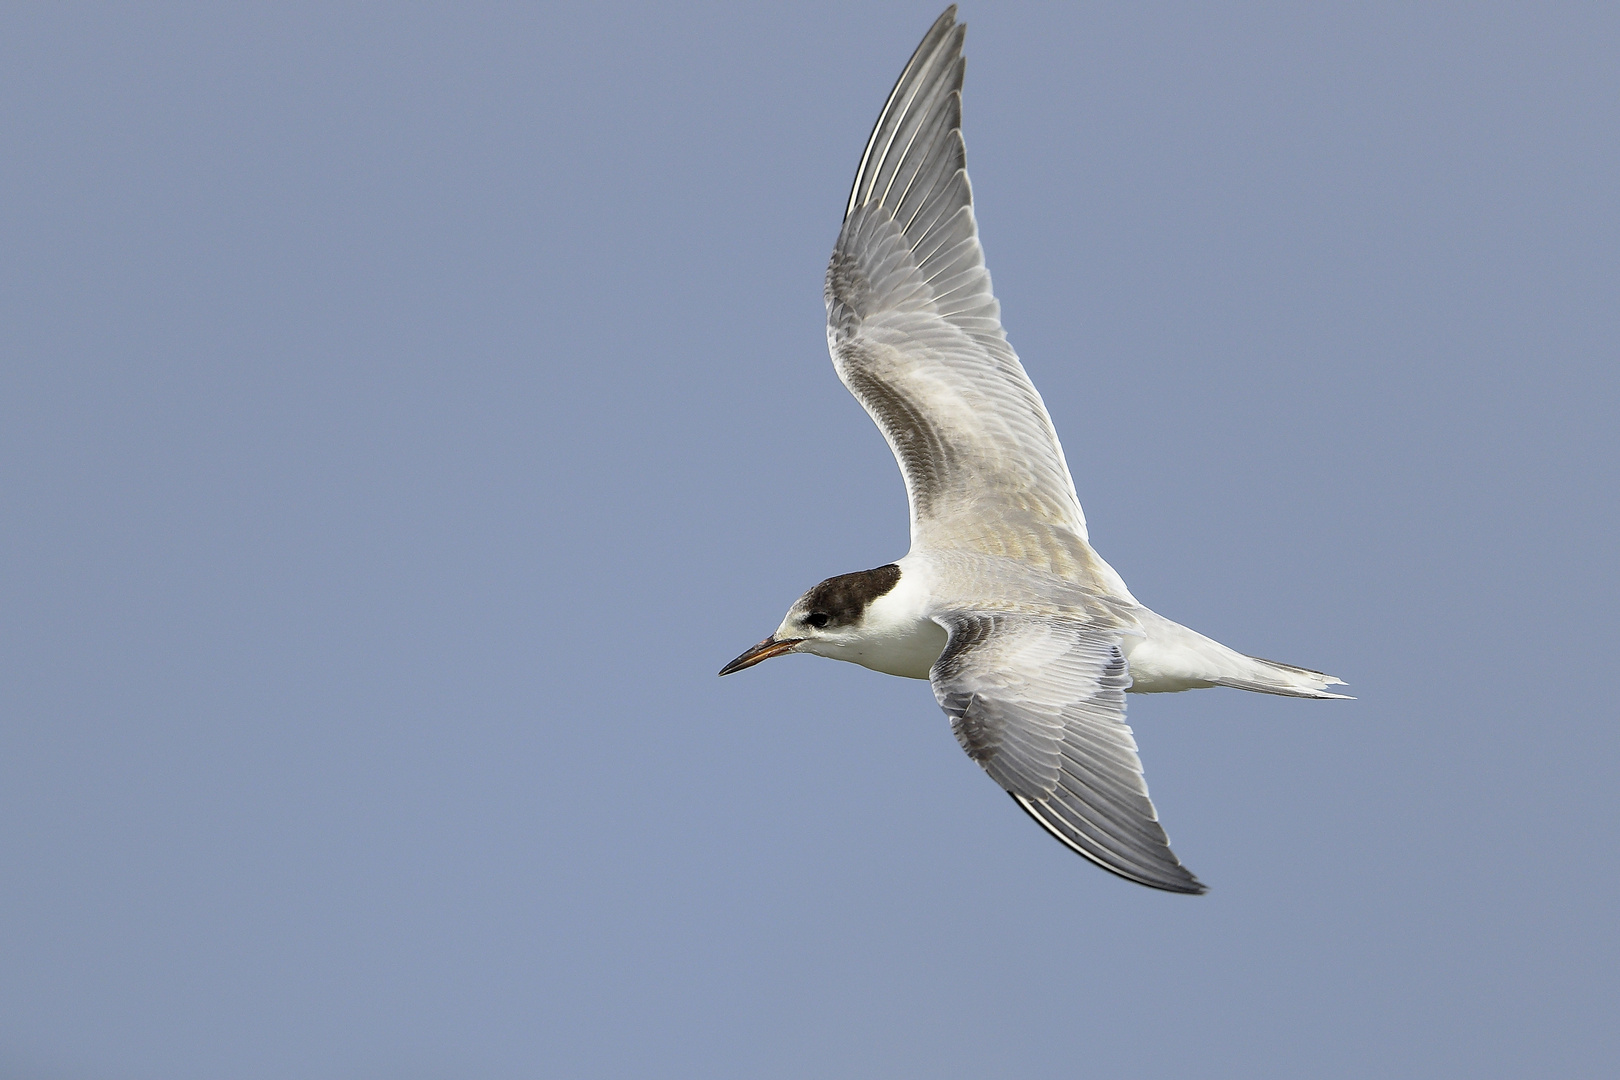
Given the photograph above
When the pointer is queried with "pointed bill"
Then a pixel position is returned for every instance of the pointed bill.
(771, 646)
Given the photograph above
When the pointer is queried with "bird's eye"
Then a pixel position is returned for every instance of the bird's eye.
(817, 619)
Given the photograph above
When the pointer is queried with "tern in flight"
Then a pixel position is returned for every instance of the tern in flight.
(1029, 638)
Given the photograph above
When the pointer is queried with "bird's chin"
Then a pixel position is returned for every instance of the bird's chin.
(771, 646)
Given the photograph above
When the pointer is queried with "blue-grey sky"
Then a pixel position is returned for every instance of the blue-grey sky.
(405, 411)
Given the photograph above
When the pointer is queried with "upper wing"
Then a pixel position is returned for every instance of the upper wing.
(1040, 703)
(915, 333)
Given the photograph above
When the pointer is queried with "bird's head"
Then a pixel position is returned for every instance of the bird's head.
(825, 620)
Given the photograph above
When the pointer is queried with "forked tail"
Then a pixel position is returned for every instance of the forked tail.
(1270, 677)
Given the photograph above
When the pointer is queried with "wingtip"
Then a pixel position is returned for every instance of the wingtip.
(1194, 888)
(1164, 877)
(943, 28)
(1189, 886)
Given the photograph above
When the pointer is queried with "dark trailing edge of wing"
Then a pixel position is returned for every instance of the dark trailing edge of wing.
(1190, 886)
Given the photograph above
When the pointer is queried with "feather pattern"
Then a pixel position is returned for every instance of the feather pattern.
(1040, 704)
(915, 333)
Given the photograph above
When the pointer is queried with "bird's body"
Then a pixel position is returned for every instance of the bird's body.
(898, 634)
(1029, 638)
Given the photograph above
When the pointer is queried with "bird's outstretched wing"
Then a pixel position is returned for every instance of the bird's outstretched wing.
(915, 333)
(1040, 703)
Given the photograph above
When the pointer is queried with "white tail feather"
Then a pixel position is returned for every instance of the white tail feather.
(1170, 657)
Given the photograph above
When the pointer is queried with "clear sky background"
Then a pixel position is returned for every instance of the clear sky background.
(406, 411)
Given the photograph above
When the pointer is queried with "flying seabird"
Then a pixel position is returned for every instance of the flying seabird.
(1029, 638)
